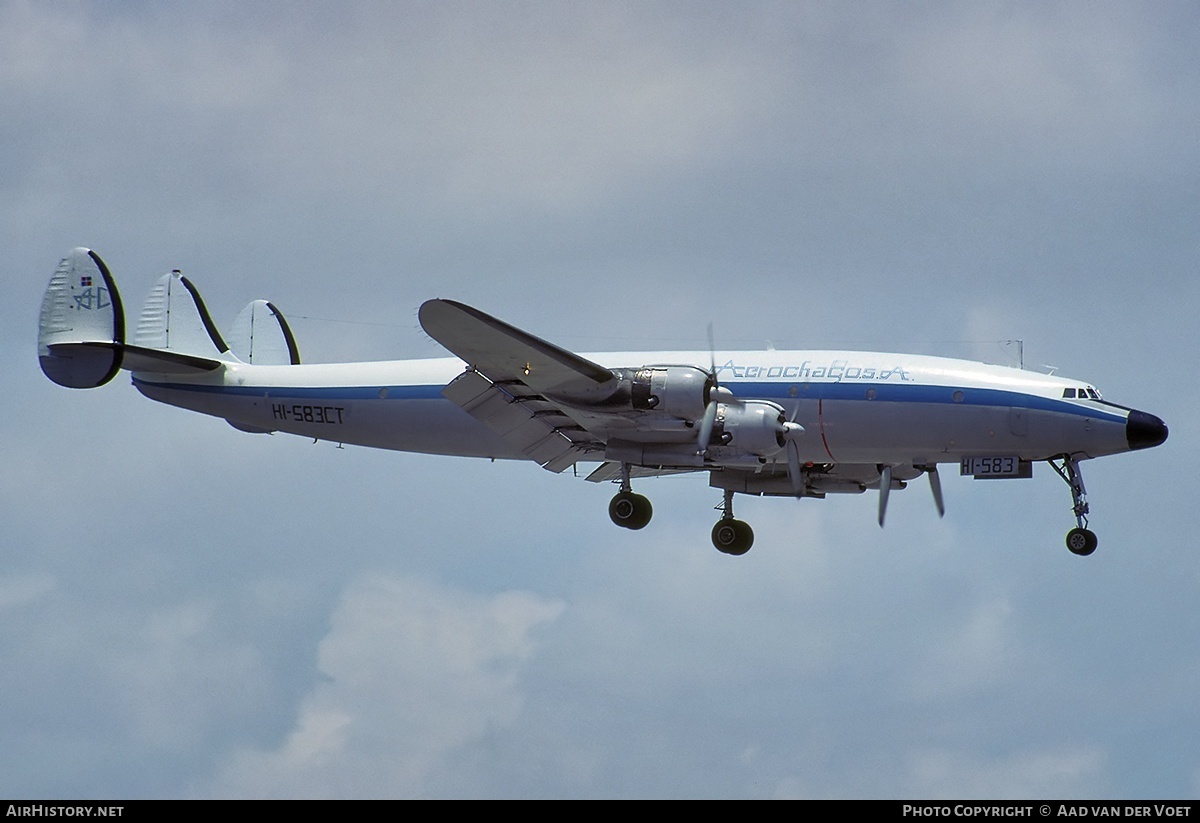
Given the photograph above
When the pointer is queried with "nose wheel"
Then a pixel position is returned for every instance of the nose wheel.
(1080, 540)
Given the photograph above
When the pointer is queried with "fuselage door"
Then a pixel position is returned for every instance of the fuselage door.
(1018, 421)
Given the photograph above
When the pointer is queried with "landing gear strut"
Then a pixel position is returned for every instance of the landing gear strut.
(729, 535)
(629, 510)
(1080, 540)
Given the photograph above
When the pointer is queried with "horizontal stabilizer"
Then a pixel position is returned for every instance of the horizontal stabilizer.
(167, 362)
(81, 329)
(133, 358)
(246, 427)
(261, 335)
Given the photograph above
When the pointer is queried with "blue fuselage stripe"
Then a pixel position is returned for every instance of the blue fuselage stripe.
(781, 392)
(307, 392)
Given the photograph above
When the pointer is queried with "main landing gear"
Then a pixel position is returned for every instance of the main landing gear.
(729, 535)
(629, 510)
(1080, 540)
(633, 511)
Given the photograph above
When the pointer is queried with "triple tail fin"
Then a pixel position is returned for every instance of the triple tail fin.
(81, 333)
(261, 335)
(81, 330)
(175, 319)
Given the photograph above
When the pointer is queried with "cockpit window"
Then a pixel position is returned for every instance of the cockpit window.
(1069, 394)
(1092, 393)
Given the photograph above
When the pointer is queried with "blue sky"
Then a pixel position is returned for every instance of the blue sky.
(193, 611)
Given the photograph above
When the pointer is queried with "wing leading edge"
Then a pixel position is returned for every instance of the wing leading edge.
(505, 353)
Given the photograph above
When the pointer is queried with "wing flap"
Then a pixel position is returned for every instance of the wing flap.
(525, 419)
(611, 471)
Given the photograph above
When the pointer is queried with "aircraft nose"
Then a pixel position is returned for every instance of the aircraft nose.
(1144, 431)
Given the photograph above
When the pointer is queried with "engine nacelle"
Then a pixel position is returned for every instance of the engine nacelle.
(754, 427)
(676, 391)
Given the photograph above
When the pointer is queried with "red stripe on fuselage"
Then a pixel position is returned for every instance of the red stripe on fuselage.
(821, 424)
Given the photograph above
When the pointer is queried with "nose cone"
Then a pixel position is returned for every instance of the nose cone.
(1144, 430)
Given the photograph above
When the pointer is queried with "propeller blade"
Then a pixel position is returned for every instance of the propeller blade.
(793, 467)
(885, 488)
(935, 485)
(706, 425)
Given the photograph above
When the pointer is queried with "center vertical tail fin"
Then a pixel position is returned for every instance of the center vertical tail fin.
(174, 318)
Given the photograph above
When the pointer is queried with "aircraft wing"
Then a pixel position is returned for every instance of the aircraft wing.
(506, 353)
(558, 408)
(512, 380)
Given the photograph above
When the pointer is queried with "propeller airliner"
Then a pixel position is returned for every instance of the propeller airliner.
(775, 423)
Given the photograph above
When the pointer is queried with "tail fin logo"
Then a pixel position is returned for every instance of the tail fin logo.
(93, 297)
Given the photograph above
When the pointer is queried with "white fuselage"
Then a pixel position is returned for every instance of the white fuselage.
(856, 407)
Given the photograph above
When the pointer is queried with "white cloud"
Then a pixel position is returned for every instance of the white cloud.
(982, 652)
(178, 678)
(413, 673)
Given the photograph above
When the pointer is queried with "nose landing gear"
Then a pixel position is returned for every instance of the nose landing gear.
(1080, 540)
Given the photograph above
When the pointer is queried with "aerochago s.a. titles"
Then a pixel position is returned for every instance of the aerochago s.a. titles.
(777, 423)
